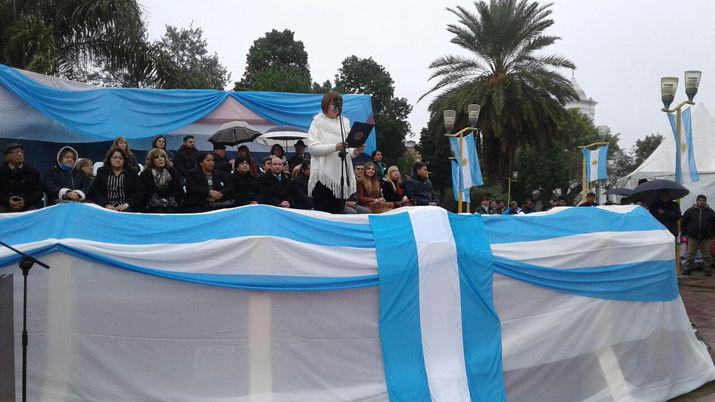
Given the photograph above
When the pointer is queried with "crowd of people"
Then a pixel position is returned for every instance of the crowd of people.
(188, 180)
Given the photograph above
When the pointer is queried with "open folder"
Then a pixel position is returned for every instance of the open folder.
(358, 134)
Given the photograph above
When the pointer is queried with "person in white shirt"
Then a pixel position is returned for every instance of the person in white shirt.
(325, 146)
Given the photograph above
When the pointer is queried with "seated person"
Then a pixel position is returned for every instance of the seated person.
(86, 167)
(299, 187)
(419, 187)
(207, 189)
(117, 185)
(369, 191)
(160, 142)
(513, 209)
(20, 183)
(265, 165)
(245, 184)
(220, 160)
(392, 189)
(299, 156)
(161, 182)
(244, 152)
(64, 183)
(121, 142)
(277, 150)
(274, 186)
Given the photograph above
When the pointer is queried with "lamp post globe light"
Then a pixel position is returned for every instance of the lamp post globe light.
(449, 118)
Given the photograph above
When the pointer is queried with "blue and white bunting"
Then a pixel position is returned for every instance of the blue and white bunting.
(596, 160)
(467, 165)
(686, 170)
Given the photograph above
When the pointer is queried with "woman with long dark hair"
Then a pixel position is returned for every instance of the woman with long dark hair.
(208, 188)
(117, 185)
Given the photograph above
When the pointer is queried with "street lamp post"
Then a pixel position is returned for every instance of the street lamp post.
(450, 116)
(508, 194)
(668, 87)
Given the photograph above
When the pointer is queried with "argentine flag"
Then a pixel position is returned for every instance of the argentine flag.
(455, 183)
(596, 163)
(686, 171)
(466, 165)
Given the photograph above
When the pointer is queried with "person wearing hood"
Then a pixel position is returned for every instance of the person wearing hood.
(699, 225)
(20, 183)
(325, 146)
(666, 211)
(64, 183)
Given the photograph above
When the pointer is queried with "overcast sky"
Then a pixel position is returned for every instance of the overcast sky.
(621, 48)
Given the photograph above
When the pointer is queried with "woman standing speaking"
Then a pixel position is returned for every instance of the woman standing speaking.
(327, 168)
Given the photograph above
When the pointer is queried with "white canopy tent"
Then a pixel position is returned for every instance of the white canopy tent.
(661, 163)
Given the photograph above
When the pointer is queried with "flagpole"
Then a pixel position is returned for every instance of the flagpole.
(678, 134)
(460, 136)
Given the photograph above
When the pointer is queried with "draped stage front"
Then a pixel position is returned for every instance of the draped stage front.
(263, 304)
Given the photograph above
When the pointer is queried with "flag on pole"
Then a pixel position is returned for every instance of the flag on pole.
(455, 183)
(596, 163)
(466, 172)
(686, 171)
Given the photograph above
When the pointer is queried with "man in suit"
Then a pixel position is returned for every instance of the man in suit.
(274, 185)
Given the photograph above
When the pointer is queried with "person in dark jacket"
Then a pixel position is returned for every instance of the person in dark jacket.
(123, 144)
(186, 157)
(117, 185)
(590, 200)
(207, 189)
(698, 224)
(274, 186)
(299, 187)
(244, 152)
(161, 182)
(528, 207)
(666, 211)
(299, 156)
(245, 184)
(419, 188)
(160, 142)
(64, 183)
(380, 166)
(392, 189)
(220, 160)
(20, 183)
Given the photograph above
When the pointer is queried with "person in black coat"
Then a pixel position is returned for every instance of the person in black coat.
(186, 157)
(160, 142)
(419, 189)
(64, 183)
(699, 224)
(666, 211)
(221, 161)
(121, 142)
(207, 189)
(162, 186)
(117, 185)
(20, 183)
(299, 187)
(245, 184)
(274, 186)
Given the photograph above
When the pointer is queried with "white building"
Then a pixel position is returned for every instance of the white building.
(584, 104)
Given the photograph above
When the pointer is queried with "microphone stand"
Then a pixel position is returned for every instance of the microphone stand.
(25, 264)
(344, 163)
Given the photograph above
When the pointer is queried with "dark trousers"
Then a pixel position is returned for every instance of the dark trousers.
(324, 200)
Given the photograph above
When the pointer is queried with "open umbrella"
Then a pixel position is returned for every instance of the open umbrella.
(619, 191)
(649, 191)
(234, 133)
(286, 136)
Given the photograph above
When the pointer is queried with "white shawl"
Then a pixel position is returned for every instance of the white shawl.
(325, 164)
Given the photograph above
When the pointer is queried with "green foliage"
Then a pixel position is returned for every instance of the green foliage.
(182, 61)
(518, 87)
(276, 62)
(366, 76)
(643, 148)
(68, 38)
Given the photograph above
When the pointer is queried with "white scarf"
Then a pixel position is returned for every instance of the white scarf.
(325, 164)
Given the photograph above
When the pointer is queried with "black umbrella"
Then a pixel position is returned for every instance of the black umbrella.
(234, 133)
(619, 191)
(649, 192)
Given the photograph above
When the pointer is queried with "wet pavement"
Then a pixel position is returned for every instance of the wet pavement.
(698, 293)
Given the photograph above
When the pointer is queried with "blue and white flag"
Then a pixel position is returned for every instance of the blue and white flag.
(455, 183)
(468, 162)
(596, 163)
(686, 170)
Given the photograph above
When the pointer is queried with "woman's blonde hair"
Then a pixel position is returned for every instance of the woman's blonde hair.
(389, 177)
(153, 154)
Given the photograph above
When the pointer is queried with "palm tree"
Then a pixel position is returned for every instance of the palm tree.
(71, 37)
(519, 88)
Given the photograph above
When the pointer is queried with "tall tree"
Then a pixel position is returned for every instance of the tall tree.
(518, 86)
(643, 148)
(69, 38)
(366, 76)
(276, 62)
(182, 61)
